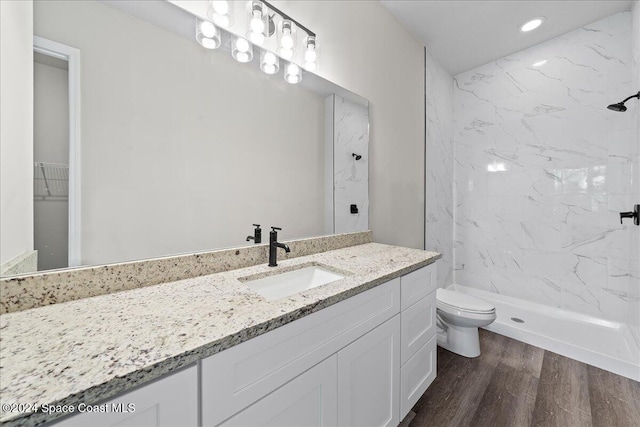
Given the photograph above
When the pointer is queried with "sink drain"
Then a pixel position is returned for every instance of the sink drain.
(517, 320)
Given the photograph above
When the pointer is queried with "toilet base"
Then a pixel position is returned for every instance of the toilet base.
(459, 340)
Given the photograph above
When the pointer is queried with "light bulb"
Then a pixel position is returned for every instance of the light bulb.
(242, 50)
(207, 29)
(209, 43)
(310, 66)
(270, 58)
(269, 62)
(286, 53)
(207, 34)
(256, 38)
(286, 41)
(310, 55)
(221, 20)
(220, 7)
(293, 74)
(242, 45)
(243, 57)
(257, 24)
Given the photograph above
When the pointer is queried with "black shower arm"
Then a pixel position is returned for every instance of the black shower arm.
(637, 95)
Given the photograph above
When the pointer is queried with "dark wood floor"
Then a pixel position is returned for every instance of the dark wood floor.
(516, 384)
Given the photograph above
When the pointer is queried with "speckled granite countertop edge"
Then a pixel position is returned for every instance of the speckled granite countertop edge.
(142, 376)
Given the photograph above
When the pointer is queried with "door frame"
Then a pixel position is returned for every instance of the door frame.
(72, 56)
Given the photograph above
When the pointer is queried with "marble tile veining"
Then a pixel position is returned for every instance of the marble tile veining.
(542, 169)
(90, 349)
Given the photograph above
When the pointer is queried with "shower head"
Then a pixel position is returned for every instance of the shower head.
(620, 105)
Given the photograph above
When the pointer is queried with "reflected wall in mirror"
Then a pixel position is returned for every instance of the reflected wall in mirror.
(181, 149)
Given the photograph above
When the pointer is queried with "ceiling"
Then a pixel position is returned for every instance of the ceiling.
(462, 35)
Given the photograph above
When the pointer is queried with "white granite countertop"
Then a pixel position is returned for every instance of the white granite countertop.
(88, 350)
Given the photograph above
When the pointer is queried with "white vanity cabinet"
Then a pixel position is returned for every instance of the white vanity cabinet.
(236, 378)
(170, 401)
(364, 361)
(418, 329)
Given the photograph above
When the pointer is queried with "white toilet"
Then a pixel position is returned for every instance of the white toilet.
(458, 317)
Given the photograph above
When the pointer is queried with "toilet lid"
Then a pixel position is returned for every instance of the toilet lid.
(463, 302)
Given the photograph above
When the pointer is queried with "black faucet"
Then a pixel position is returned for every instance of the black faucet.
(257, 234)
(274, 245)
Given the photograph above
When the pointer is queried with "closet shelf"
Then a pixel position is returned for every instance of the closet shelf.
(50, 181)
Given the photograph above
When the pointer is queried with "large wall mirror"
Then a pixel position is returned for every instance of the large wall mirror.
(148, 145)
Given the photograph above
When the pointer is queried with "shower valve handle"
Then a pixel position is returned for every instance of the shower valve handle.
(635, 215)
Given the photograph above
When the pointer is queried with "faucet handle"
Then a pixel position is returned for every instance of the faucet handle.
(276, 228)
(256, 225)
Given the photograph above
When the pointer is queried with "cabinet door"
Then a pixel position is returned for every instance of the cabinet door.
(310, 399)
(369, 378)
(171, 401)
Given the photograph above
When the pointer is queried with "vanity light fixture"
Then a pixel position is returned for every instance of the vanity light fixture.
(269, 62)
(532, 24)
(310, 54)
(207, 34)
(292, 73)
(287, 39)
(265, 26)
(221, 13)
(242, 50)
(257, 23)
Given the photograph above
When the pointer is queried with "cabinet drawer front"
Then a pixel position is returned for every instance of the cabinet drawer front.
(415, 286)
(167, 402)
(418, 326)
(235, 378)
(417, 375)
(310, 399)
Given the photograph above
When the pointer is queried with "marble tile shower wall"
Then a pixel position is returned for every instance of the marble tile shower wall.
(439, 133)
(351, 176)
(542, 169)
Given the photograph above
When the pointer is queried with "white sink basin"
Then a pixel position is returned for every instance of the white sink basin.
(289, 283)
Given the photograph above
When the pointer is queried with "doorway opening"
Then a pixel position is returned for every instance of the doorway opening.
(56, 154)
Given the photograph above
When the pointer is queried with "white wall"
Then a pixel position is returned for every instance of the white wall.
(439, 161)
(16, 129)
(366, 50)
(165, 168)
(542, 170)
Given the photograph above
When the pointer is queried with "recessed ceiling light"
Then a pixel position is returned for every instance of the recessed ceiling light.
(539, 63)
(532, 24)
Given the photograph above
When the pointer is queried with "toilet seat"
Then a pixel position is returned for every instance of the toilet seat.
(450, 300)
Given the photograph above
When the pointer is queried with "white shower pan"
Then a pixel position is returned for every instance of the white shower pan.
(605, 344)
